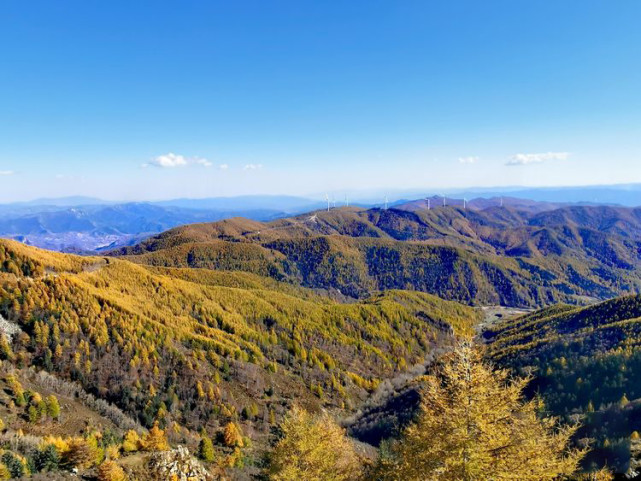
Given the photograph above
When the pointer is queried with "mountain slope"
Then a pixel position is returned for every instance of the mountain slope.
(497, 255)
(200, 347)
(586, 362)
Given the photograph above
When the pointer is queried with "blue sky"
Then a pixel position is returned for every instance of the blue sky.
(152, 100)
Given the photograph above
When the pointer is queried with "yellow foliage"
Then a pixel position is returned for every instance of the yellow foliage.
(81, 453)
(112, 452)
(232, 435)
(131, 442)
(155, 440)
(110, 471)
(313, 448)
(602, 474)
(475, 425)
(61, 445)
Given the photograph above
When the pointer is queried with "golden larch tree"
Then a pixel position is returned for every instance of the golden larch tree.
(313, 448)
(155, 439)
(474, 425)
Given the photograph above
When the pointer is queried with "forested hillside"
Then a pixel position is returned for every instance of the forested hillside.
(196, 350)
(586, 364)
(497, 255)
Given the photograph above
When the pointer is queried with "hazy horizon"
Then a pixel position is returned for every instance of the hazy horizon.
(377, 196)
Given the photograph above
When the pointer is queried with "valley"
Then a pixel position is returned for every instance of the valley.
(235, 322)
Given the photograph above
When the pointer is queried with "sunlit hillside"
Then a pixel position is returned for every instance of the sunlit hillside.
(586, 363)
(492, 256)
(199, 347)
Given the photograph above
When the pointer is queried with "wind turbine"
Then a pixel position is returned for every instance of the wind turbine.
(428, 203)
(386, 202)
(443, 201)
(327, 199)
(501, 201)
(346, 201)
(464, 203)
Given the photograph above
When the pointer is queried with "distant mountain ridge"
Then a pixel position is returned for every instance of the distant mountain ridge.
(85, 225)
(498, 255)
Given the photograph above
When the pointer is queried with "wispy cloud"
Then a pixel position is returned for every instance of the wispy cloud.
(171, 160)
(468, 160)
(223, 166)
(7, 172)
(253, 166)
(527, 159)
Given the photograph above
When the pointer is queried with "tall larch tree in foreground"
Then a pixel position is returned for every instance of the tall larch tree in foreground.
(313, 448)
(474, 425)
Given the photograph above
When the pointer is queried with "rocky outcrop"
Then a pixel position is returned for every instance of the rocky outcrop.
(179, 465)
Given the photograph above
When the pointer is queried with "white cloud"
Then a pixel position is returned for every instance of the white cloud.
(223, 166)
(171, 160)
(526, 159)
(203, 162)
(468, 160)
(7, 172)
(253, 167)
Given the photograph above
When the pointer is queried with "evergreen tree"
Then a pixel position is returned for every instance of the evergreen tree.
(206, 449)
(13, 464)
(47, 458)
(53, 407)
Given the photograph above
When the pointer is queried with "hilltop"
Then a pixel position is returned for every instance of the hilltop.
(496, 255)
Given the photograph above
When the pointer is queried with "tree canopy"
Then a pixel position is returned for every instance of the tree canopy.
(475, 425)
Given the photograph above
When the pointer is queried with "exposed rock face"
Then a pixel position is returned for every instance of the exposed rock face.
(9, 328)
(177, 464)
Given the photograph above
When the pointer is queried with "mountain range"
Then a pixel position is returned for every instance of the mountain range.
(515, 256)
(88, 225)
(236, 320)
